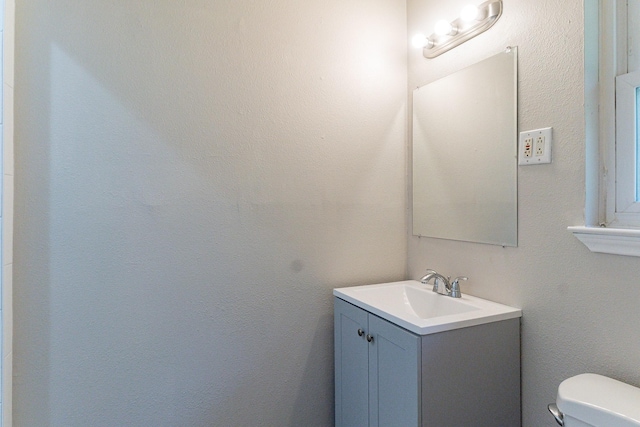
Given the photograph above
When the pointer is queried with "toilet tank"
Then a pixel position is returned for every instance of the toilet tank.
(594, 400)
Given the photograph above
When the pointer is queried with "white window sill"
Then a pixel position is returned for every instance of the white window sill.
(617, 241)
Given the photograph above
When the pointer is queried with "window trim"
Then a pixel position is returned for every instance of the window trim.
(605, 230)
(626, 156)
(615, 241)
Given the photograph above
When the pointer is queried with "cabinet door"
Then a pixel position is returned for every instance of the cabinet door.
(351, 365)
(394, 375)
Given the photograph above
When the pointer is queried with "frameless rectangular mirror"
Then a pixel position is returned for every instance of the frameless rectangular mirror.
(465, 154)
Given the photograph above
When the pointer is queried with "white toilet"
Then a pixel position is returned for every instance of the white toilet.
(590, 400)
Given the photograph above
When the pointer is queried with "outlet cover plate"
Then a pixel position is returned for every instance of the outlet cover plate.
(535, 158)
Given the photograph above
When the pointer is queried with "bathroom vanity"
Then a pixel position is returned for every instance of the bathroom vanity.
(405, 356)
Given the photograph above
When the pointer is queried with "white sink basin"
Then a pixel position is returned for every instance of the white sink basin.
(415, 307)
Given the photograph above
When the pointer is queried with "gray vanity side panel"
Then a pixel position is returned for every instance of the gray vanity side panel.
(488, 394)
(394, 380)
(351, 367)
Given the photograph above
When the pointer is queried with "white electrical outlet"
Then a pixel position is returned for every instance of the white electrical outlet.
(535, 147)
(528, 147)
(540, 146)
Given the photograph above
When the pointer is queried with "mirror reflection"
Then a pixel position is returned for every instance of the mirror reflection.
(465, 154)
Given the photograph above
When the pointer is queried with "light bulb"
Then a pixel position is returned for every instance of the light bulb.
(443, 28)
(419, 41)
(469, 13)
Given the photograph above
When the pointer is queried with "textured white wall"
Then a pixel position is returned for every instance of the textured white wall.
(192, 180)
(8, 40)
(580, 309)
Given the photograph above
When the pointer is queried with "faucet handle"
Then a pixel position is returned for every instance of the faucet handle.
(455, 286)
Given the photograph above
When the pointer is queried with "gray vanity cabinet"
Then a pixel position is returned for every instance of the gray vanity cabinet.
(386, 376)
(376, 370)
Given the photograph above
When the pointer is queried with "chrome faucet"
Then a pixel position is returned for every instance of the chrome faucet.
(437, 279)
(451, 289)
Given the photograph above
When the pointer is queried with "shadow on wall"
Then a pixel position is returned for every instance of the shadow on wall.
(193, 185)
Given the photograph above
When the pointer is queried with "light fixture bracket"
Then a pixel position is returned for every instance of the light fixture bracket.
(489, 11)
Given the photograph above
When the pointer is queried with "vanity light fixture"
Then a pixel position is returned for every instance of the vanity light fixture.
(472, 21)
(421, 41)
(469, 13)
(443, 28)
